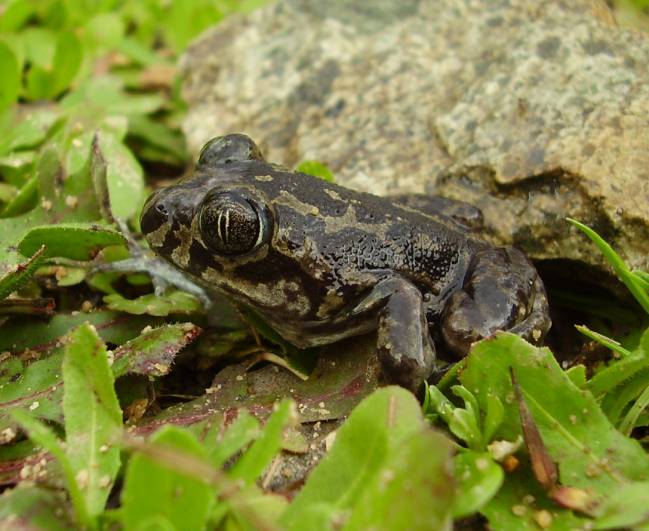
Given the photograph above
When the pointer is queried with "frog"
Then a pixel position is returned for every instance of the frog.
(319, 262)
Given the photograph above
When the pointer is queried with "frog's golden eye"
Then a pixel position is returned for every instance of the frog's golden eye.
(232, 224)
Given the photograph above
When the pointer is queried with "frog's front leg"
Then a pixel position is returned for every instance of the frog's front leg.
(501, 291)
(405, 348)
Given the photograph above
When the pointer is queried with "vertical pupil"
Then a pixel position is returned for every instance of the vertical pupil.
(230, 224)
(223, 222)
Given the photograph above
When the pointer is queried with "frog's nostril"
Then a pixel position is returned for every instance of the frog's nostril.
(154, 214)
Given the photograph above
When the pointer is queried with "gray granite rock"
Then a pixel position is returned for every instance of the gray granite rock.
(533, 110)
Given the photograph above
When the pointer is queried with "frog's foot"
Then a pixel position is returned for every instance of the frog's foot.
(466, 215)
(501, 291)
(405, 349)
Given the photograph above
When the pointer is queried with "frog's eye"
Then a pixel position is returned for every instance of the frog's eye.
(232, 224)
(227, 149)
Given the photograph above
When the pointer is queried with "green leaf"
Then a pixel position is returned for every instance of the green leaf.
(39, 336)
(34, 388)
(168, 141)
(493, 418)
(627, 507)
(617, 403)
(124, 176)
(463, 426)
(24, 200)
(635, 285)
(93, 418)
(317, 169)
(176, 302)
(7, 192)
(589, 451)
(99, 176)
(15, 14)
(152, 489)
(17, 278)
(107, 95)
(260, 510)
(27, 131)
(69, 276)
(153, 352)
(77, 241)
(39, 44)
(465, 423)
(67, 60)
(630, 419)
(373, 435)
(34, 508)
(239, 434)
(577, 375)
(478, 479)
(620, 371)
(412, 491)
(48, 78)
(70, 197)
(184, 20)
(603, 340)
(520, 503)
(10, 83)
(46, 438)
(249, 467)
(106, 29)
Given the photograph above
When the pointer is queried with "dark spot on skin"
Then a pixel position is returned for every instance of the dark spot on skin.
(171, 242)
(547, 48)
(200, 259)
(290, 295)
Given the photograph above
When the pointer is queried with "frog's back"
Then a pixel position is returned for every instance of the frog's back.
(358, 234)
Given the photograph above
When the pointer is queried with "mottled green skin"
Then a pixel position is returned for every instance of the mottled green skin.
(332, 262)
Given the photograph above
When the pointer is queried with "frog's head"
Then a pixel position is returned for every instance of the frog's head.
(271, 238)
(215, 219)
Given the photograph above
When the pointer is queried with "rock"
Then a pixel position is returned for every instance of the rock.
(532, 110)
